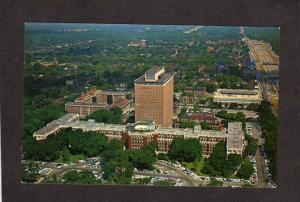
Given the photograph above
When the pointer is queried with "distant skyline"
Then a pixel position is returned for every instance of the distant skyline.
(53, 25)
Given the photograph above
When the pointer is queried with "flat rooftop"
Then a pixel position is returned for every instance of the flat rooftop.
(154, 70)
(238, 91)
(235, 135)
(106, 92)
(155, 76)
(104, 105)
(56, 124)
(91, 125)
(190, 132)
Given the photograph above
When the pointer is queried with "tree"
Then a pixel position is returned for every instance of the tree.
(240, 116)
(211, 87)
(129, 96)
(269, 124)
(205, 126)
(246, 169)
(218, 157)
(221, 164)
(80, 177)
(215, 183)
(144, 157)
(30, 171)
(94, 145)
(66, 154)
(231, 164)
(113, 115)
(182, 112)
(162, 156)
(187, 124)
(251, 146)
(208, 169)
(166, 182)
(187, 150)
(118, 169)
(144, 181)
(39, 101)
(253, 107)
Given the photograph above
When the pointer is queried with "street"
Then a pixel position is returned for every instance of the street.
(261, 170)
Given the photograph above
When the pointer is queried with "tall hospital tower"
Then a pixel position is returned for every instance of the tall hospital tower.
(154, 96)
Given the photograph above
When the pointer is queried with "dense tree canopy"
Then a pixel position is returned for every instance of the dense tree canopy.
(228, 117)
(269, 125)
(116, 164)
(80, 177)
(29, 171)
(246, 169)
(67, 142)
(251, 146)
(186, 150)
(219, 163)
(144, 157)
(107, 116)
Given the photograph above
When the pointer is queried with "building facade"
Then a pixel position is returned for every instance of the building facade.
(154, 96)
(140, 134)
(238, 96)
(94, 100)
(201, 117)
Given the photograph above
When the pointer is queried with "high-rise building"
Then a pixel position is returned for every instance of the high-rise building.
(154, 96)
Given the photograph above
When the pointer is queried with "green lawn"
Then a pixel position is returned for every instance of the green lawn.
(195, 166)
(73, 158)
(166, 182)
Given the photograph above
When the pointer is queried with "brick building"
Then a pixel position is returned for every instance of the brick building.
(154, 96)
(139, 134)
(200, 117)
(94, 100)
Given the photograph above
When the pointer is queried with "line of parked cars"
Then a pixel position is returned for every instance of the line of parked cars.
(44, 171)
(254, 176)
(267, 164)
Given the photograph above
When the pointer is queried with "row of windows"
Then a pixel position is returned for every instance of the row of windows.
(110, 132)
(211, 139)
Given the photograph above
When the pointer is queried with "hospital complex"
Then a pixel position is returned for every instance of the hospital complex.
(153, 105)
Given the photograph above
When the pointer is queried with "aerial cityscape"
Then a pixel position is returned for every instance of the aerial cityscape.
(150, 105)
